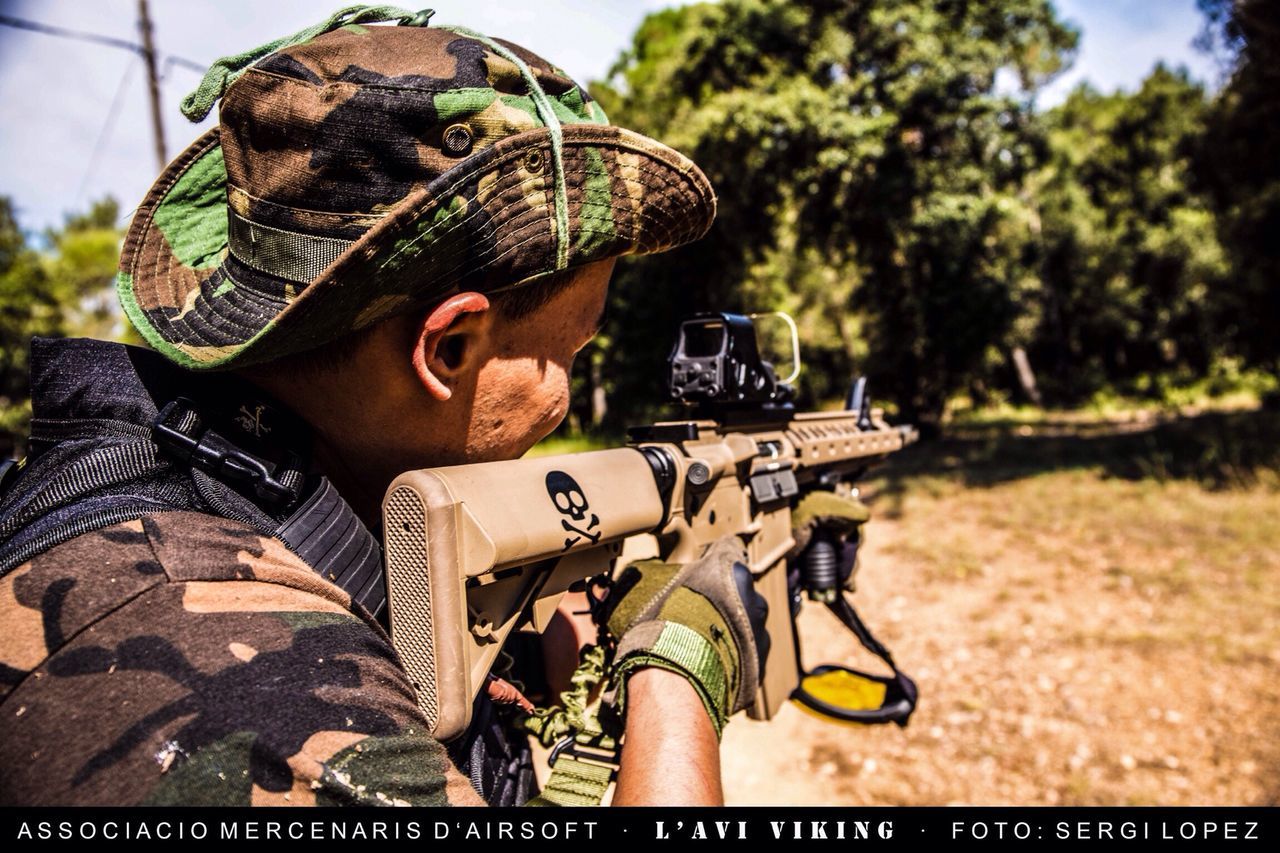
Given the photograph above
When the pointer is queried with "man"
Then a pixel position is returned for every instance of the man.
(385, 258)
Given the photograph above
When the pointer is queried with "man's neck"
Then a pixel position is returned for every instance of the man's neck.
(358, 486)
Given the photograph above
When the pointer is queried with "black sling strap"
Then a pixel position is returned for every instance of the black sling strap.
(323, 530)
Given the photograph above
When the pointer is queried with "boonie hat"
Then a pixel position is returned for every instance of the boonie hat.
(361, 171)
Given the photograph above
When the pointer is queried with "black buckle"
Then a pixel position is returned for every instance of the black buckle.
(589, 753)
(216, 456)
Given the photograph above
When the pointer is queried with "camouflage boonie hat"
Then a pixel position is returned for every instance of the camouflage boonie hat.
(362, 171)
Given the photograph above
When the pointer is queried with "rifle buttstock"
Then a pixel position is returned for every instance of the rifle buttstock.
(472, 549)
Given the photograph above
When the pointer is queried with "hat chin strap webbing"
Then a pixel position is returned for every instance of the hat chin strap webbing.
(289, 255)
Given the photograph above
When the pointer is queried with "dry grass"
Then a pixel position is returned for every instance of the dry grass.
(1084, 630)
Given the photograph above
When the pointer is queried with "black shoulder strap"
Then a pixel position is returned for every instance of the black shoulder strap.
(106, 466)
(97, 489)
(40, 509)
(326, 533)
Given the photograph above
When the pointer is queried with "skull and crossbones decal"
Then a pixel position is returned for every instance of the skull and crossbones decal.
(571, 502)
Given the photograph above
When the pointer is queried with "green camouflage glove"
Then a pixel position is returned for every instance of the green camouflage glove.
(841, 517)
(703, 620)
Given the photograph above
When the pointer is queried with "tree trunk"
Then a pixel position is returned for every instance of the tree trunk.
(599, 400)
(1026, 378)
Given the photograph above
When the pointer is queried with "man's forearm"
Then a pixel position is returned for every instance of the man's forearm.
(671, 755)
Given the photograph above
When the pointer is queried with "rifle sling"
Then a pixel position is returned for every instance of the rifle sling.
(575, 782)
(906, 691)
(584, 760)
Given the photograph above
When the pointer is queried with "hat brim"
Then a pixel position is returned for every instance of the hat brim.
(489, 222)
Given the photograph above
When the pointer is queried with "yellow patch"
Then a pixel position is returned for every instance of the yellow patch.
(251, 597)
(203, 354)
(239, 200)
(22, 646)
(484, 188)
(498, 121)
(499, 70)
(189, 304)
(629, 169)
(535, 190)
(243, 652)
(371, 219)
(380, 306)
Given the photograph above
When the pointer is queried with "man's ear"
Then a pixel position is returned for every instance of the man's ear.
(447, 344)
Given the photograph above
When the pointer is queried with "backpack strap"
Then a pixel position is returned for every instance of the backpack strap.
(119, 482)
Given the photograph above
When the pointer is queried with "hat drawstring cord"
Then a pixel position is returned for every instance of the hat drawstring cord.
(546, 112)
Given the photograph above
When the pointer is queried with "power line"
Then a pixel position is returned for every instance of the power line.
(105, 133)
(95, 38)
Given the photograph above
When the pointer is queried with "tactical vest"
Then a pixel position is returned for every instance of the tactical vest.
(118, 433)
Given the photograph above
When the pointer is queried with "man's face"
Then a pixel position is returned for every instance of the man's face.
(521, 391)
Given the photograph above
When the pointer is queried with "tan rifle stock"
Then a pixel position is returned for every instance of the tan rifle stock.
(474, 552)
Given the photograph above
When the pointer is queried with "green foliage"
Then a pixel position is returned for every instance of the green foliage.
(1216, 450)
(881, 179)
(1130, 261)
(869, 179)
(928, 228)
(1241, 172)
(82, 265)
(28, 306)
(63, 290)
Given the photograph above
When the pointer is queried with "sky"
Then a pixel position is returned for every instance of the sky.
(74, 121)
(1121, 41)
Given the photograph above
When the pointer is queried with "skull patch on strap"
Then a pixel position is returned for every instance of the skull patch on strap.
(571, 502)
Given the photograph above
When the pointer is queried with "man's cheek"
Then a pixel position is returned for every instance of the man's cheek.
(532, 409)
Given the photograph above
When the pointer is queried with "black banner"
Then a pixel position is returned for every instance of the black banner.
(880, 827)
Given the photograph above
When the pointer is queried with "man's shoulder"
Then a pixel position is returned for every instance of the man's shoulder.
(186, 658)
(68, 588)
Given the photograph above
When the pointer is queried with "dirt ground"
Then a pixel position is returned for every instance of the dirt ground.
(1081, 634)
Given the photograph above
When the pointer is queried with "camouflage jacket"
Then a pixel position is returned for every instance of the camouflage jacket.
(180, 657)
(185, 659)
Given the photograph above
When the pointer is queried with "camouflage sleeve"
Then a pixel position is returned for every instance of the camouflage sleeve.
(191, 661)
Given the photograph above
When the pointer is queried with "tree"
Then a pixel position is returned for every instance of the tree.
(64, 290)
(1129, 258)
(1242, 174)
(27, 307)
(869, 178)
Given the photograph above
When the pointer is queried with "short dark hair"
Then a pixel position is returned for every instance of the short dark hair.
(515, 303)
(523, 299)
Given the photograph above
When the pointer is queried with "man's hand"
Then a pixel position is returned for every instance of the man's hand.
(703, 620)
(839, 518)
